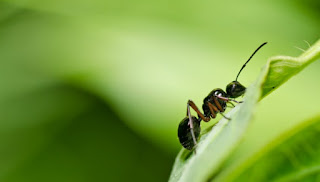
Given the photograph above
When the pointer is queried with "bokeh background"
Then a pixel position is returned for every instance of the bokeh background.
(94, 90)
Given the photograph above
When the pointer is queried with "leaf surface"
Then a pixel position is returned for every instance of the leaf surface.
(293, 156)
(218, 143)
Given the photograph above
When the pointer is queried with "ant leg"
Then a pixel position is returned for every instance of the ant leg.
(216, 102)
(213, 108)
(195, 108)
(225, 116)
(191, 125)
(231, 104)
(239, 102)
(228, 99)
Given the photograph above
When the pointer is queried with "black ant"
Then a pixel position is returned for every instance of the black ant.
(215, 102)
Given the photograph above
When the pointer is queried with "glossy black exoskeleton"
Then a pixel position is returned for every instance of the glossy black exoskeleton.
(184, 132)
(215, 103)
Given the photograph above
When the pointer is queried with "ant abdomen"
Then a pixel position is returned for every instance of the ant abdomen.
(184, 132)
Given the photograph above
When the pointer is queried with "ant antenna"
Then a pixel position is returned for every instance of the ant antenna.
(249, 59)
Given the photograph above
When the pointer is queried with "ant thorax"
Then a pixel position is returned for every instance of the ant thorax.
(211, 99)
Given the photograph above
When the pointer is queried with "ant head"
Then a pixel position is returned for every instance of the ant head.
(235, 89)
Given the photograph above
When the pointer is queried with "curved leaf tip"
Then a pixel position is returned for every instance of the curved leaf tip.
(281, 68)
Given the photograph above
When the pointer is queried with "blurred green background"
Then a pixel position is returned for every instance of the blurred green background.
(94, 90)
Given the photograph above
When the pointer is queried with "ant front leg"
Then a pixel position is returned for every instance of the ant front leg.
(231, 104)
(228, 99)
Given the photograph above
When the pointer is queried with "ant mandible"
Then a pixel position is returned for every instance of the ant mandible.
(215, 102)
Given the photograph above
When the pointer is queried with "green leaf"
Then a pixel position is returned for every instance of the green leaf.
(214, 146)
(219, 142)
(281, 68)
(292, 156)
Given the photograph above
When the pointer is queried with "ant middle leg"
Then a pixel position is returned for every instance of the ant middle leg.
(215, 109)
(216, 102)
(225, 116)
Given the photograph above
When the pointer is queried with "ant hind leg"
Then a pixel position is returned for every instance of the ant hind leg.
(201, 116)
(191, 125)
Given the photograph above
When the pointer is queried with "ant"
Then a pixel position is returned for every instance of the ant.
(215, 102)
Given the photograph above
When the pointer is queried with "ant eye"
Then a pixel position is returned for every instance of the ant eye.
(235, 89)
